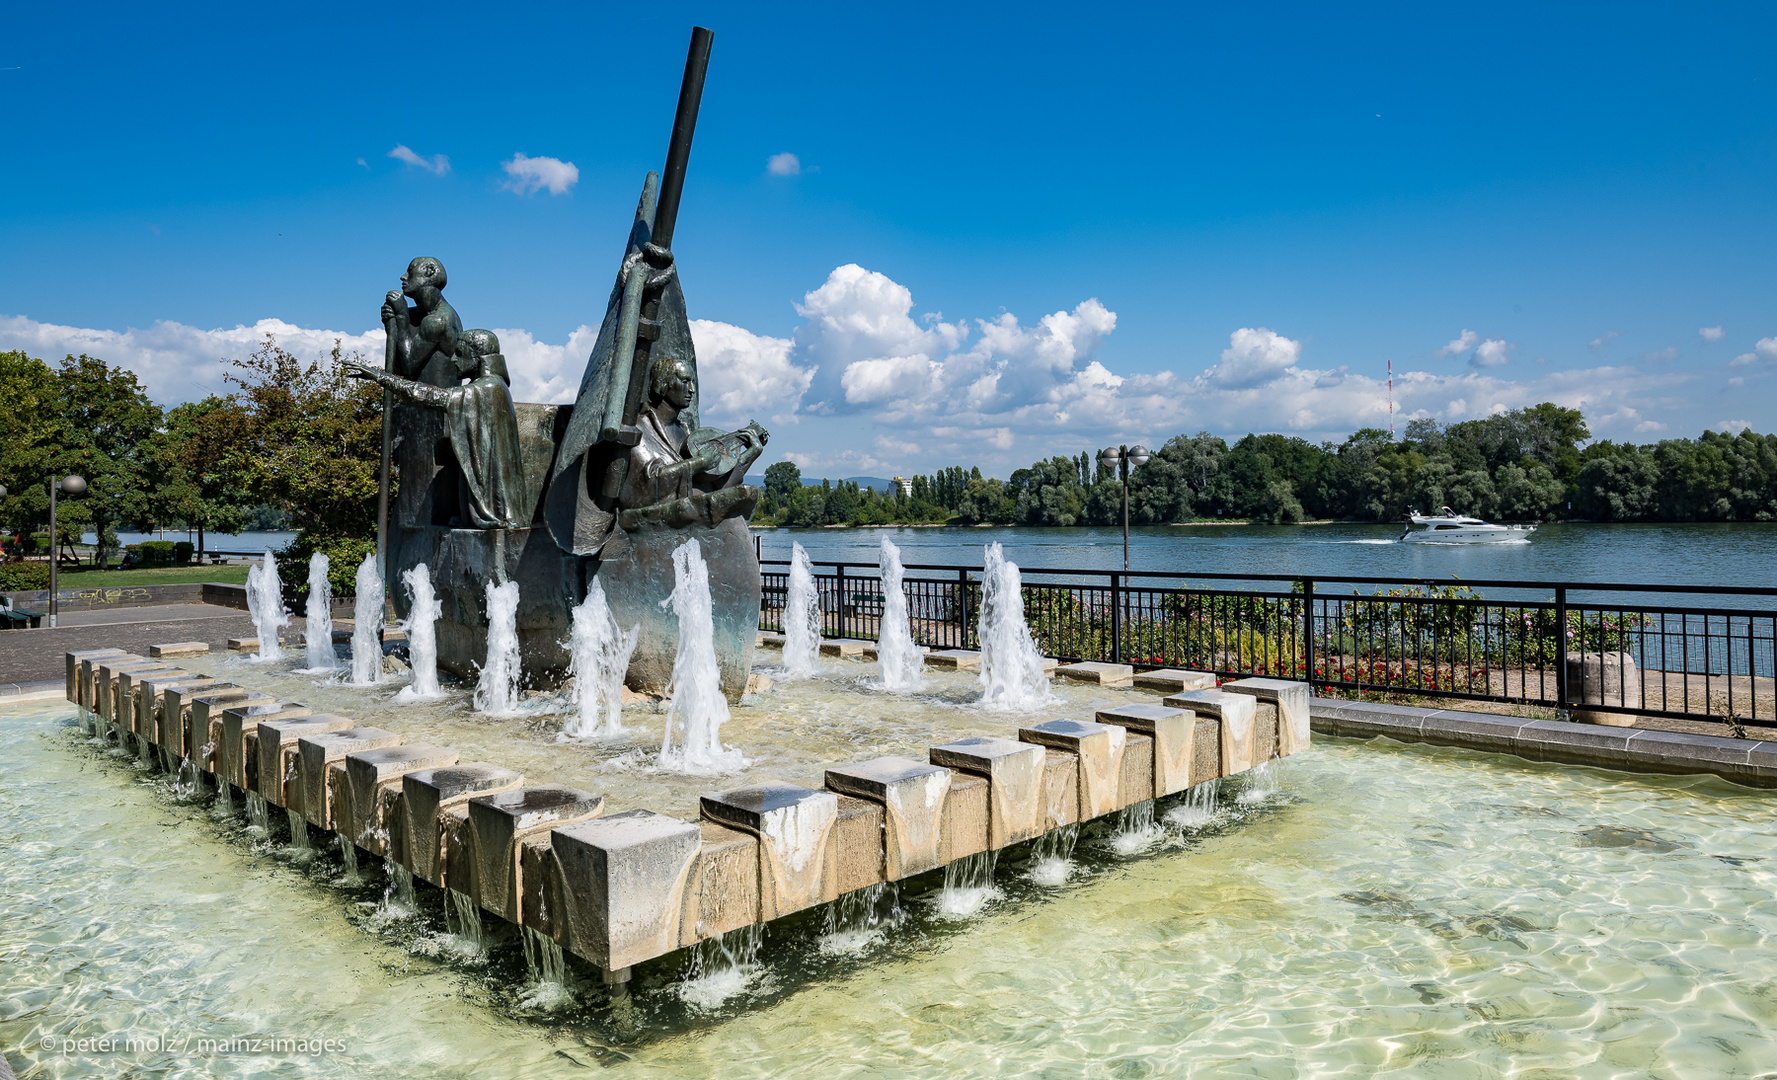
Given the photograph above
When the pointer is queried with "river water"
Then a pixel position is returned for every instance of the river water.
(1379, 910)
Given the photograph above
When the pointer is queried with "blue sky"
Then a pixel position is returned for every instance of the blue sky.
(1197, 216)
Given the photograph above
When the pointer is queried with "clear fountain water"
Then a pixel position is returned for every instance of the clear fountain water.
(598, 657)
(399, 900)
(858, 920)
(802, 616)
(723, 966)
(496, 691)
(1199, 808)
(348, 854)
(423, 612)
(1011, 667)
(299, 830)
(258, 813)
(317, 627)
(968, 885)
(696, 709)
(265, 605)
(367, 625)
(462, 921)
(548, 988)
(1051, 856)
(1135, 831)
(897, 656)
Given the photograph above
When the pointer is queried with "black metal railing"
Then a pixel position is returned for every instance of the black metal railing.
(1679, 651)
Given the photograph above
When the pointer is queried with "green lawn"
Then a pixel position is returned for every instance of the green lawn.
(158, 575)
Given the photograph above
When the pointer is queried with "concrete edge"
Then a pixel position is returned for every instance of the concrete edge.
(1749, 762)
(42, 690)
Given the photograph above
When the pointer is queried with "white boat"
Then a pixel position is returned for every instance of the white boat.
(1453, 528)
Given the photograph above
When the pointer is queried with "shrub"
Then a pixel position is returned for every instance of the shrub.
(23, 576)
(182, 550)
(156, 553)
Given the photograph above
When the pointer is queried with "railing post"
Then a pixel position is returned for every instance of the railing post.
(1116, 618)
(1561, 687)
(962, 600)
(840, 585)
(1308, 630)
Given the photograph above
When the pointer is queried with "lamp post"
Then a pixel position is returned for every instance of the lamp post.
(73, 485)
(1123, 459)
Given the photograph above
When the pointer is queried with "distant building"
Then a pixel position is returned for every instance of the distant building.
(906, 485)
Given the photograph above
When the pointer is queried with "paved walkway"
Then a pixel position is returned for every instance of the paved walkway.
(29, 655)
(158, 613)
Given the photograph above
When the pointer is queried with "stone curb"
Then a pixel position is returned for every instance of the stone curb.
(32, 691)
(1750, 762)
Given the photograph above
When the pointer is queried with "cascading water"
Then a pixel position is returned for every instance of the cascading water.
(1135, 830)
(348, 854)
(299, 831)
(548, 965)
(265, 605)
(399, 901)
(318, 625)
(697, 708)
(367, 625)
(722, 966)
(462, 921)
(598, 658)
(188, 781)
(496, 692)
(258, 813)
(224, 794)
(424, 609)
(896, 654)
(968, 884)
(802, 616)
(854, 922)
(1011, 667)
(1051, 856)
(1261, 784)
(1199, 808)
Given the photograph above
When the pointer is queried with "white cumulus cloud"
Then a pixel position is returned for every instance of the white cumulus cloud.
(746, 376)
(1710, 333)
(532, 174)
(1460, 344)
(437, 163)
(1255, 356)
(1491, 353)
(783, 164)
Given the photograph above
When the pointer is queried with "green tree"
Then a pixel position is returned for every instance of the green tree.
(107, 423)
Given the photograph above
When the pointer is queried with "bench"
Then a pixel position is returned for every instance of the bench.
(12, 618)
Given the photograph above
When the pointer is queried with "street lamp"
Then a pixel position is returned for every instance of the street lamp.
(73, 485)
(1123, 459)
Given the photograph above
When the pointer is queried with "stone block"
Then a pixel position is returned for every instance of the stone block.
(725, 884)
(316, 751)
(239, 722)
(86, 670)
(1265, 733)
(1174, 680)
(73, 659)
(1206, 750)
(243, 644)
(873, 650)
(203, 722)
(276, 749)
(859, 844)
(798, 856)
(1477, 731)
(179, 648)
(1681, 752)
(370, 772)
(126, 715)
(339, 801)
(912, 794)
(842, 647)
(1172, 731)
(105, 678)
(1580, 744)
(496, 824)
(770, 641)
(966, 817)
(1603, 678)
(1014, 772)
(150, 692)
(175, 713)
(1292, 699)
(456, 850)
(1136, 783)
(428, 793)
(954, 659)
(1100, 750)
(624, 879)
(1097, 674)
(1235, 711)
(1061, 789)
(540, 878)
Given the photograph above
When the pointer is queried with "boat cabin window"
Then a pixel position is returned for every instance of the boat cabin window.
(1443, 527)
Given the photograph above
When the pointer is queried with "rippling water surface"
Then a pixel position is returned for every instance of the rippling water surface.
(1386, 910)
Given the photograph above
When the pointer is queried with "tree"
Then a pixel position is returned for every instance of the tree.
(782, 478)
(195, 483)
(107, 423)
(30, 437)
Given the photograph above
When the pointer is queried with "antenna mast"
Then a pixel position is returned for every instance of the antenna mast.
(1391, 399)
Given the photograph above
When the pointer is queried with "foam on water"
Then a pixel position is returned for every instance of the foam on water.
(723, 967)
(968, 885)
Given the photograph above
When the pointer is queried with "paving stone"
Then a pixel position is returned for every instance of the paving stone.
(1100, 750)
(912, 794)
(847, 647)
(1014, 772)
(798, 863)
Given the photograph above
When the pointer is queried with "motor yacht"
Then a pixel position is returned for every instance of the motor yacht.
(1453, 528)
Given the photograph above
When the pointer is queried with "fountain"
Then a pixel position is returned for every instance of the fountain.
(1199, 808)
(265, 605)
(802, 616)
(348, 854)
(496, 692)
(1011, 667)
(399, 900)
(423, 609)
(367, 625)
(318, 627)
(299, 830)
(462, 921)
(722, 966)
(968, 885)
(258, 813)
(598, 655)
(697, 707)
(1051, 856)
(896, 653)
(548, 965)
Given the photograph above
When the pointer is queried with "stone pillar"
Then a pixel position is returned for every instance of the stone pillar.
(203, 724)
(798, 860)
(73, 660)
(1100, 750)
(1292, 700)
(1173, 733)
(623, 880)
(912, 795)
(370, 773)
(1015, 774)
(1603, 678)
(314, 753)
(498, 822)
(278, 782)
(240, 723)
(1236, 713)
(725, 884)
(428, 793)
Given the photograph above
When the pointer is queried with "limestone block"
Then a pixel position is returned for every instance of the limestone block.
(179, 648)
(175, 713)
(428, 793)
(624, 880)
(105, 677)
(770, 641)
(1174, 680)
(873, 650)
(73, 660)
(1264, 732)
(858, 835)
(1292, 699)
(912, 794)
(1061, 789)
(965, 817)
(277, 772)
(1014, 774)
(541, 894)
(87, 669)
(955, 659)
(725, 884)
(129, 685)
(1235, 711)
(1097, 673)
(372, 771)
(1603, 678)
(1171, 731)
(149, 694)
(1206, 759)
(240, 721)
(243, 644)
(842, 647)
(316, 751)
(203, 722)
(496, 824)
(798, 857)
(339, 801)
(1100, 750)
(1136, 784)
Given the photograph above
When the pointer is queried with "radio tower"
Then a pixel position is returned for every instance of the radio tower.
(1391, 399)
